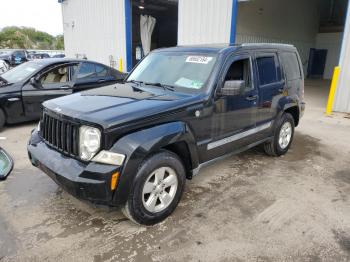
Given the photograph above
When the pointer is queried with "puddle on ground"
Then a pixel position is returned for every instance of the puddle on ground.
(305, 147)
(343, 175)
(343, 239)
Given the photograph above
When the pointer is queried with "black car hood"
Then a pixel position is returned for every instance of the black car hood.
(113, 105)
(7, 89)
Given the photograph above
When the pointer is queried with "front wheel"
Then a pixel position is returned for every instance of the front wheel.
(283, 136)
(156, 190)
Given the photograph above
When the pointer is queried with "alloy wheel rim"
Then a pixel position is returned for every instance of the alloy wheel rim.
(159, 189)
(285, 135)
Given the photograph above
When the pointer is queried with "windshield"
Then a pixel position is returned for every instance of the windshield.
(21, 72)
(187, 71)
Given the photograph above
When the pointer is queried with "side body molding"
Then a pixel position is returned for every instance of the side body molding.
(138, 145)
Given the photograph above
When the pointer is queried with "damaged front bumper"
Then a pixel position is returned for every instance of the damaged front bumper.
(87, 181)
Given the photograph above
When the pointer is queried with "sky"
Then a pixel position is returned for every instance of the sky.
(43, 15)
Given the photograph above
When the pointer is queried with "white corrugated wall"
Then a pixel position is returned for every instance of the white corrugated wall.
(204, 21)
(342, 97)
(273, 21)
(96, 29)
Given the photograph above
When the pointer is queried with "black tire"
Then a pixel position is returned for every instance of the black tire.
(2, 119)
(273, 148)
(134, 208)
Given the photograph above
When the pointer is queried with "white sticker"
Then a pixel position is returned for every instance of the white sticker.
(199, 59)
(185, 82)
(30, 69)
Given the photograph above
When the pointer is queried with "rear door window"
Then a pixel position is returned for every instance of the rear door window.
(86, 71)
(101, 71)
(267, 70)
(291, 65)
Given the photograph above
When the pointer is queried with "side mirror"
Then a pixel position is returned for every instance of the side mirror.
(6, 164)
(35, 82)
(233, 88)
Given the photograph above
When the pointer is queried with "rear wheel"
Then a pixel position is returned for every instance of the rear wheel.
(283, 136)
(2, 119)
(156, 190)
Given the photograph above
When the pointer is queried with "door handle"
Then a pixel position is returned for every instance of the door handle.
(252, 97)
(101, 80)
(65, 87)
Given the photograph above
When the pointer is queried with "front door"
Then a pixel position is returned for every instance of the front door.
(234, 115)
(51, 84)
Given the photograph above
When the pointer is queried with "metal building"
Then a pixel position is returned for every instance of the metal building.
(109, 31)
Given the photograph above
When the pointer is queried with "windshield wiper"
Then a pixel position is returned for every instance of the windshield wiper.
(134, 82)
(165, 87)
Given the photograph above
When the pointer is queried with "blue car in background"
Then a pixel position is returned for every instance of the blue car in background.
(14, 57)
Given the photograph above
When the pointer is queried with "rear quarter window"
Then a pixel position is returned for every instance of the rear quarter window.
(291, 65)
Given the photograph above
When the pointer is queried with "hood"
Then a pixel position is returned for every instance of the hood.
(113, 105)
(5, 56)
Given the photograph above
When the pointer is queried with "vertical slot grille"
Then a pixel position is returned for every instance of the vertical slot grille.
(60, 134)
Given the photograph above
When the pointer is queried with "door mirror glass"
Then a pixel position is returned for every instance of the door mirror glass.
(6, 164)
(233, 88)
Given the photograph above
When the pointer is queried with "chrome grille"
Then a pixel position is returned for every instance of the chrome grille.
(60, 134)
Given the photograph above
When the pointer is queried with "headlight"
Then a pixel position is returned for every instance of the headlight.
(89, 142)
(38, 128)
(111, 158)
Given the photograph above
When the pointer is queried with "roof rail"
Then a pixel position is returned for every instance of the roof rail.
(258, 44)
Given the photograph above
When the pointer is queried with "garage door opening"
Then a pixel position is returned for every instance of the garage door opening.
(160, 14)
(315, 27)
(324, 56)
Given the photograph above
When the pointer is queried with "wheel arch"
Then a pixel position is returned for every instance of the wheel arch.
(290, 105)
(174, 136)
(294, 111)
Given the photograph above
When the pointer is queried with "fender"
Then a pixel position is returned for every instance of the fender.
(287, 102)
(138, 145)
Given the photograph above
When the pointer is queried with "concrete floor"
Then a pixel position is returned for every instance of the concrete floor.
(249, 207)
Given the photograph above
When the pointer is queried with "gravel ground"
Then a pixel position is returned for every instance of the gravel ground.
(249, 207)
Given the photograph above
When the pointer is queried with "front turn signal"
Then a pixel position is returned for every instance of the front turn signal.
(114, 180)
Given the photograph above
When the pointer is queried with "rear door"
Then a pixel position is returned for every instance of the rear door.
(271, 85)
(92, 75)
(56, 82)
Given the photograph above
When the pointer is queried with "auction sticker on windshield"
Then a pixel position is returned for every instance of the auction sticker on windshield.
(199, 59)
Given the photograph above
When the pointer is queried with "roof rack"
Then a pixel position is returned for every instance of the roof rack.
(272, 44)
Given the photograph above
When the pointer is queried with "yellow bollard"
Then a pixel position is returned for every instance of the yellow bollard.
(332, 90)
(121, 65)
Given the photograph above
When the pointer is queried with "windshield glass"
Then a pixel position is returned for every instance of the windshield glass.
(186, 71)
(21, 72)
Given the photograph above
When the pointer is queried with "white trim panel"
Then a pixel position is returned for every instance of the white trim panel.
(238, 136)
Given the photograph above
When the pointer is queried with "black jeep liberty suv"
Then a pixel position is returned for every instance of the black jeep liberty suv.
(134, 144)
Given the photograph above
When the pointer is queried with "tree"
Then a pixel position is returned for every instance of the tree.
(29, 38)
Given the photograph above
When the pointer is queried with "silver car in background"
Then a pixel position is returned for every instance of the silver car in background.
(3, 66)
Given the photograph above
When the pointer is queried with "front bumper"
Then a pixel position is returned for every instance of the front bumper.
(86, 181)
